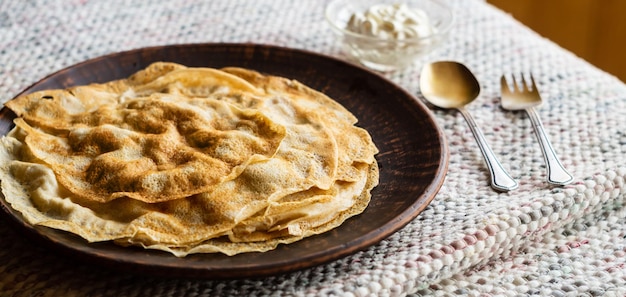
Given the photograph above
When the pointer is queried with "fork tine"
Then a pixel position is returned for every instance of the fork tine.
(516, 87)
(534, 85)
(520, 84)
(504, 85)
(525, 86)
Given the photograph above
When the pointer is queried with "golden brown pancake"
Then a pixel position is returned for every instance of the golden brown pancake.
(187, 160)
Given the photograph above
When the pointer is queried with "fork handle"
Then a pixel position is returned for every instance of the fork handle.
(500, 179)
(556, 172)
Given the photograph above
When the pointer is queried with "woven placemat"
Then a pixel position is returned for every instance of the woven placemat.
(537, 240)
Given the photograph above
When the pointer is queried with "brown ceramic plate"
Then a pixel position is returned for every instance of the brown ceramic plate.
(413, 158)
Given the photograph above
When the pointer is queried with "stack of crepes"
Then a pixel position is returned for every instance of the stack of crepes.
(187, 160)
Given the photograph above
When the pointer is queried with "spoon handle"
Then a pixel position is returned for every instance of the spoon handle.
(500, 179)
(556, 172)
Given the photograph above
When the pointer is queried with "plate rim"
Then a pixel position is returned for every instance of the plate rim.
(288, 265)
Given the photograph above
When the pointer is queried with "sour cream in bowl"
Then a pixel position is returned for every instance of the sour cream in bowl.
(387, 35)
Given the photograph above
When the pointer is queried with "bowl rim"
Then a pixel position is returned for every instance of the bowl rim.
(440, 31)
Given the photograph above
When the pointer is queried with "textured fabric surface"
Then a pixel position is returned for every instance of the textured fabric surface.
(535, 241)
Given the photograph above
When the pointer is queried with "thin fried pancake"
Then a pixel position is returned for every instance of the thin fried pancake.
(187, 160)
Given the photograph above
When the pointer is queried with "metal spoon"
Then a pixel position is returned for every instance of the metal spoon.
(448, 84)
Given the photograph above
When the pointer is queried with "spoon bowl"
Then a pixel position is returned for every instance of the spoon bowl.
(448, 84)
(451, 85)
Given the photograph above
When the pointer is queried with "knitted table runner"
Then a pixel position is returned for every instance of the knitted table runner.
(537, 240)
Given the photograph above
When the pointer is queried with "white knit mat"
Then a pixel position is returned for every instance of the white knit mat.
(535, 241)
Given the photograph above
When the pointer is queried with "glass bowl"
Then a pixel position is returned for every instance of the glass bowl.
(388, 54)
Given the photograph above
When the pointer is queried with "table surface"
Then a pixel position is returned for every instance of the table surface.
(536, 240)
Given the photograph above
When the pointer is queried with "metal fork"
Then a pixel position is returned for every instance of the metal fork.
(527, 98)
